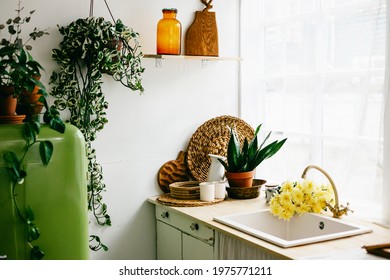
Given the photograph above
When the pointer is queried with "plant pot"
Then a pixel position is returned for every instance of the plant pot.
(240, 179)
(28, 103)
(7, 101)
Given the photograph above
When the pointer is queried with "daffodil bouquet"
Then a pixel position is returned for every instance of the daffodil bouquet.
(300, 197)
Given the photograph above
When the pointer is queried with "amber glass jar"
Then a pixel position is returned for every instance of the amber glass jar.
(169, 33)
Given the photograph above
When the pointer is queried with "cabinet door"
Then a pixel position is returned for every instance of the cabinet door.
(168, 242)
(194, 249)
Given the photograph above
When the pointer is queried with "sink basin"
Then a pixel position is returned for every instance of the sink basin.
(299, 230)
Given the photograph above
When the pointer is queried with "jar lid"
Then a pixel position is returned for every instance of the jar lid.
(170, 10)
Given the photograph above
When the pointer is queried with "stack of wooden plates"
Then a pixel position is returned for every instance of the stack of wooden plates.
(185, 190)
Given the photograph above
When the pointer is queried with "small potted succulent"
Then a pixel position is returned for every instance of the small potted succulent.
(241, 162)
(19, 72)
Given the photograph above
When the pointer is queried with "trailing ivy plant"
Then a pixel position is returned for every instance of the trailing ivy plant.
(15, 169)
(90, 48)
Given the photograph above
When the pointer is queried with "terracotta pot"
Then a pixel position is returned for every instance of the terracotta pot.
(240, 179)
(28, 103)
(7, 101)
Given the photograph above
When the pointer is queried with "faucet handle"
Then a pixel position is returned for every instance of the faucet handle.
(339, 210)
(345, 209)
(342, 210)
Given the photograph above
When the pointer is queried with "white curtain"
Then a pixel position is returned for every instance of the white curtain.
(386, 144)
(230, 248)
(313, 71)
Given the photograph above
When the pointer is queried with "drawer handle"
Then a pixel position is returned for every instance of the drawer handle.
(194, 226)
(164, 215)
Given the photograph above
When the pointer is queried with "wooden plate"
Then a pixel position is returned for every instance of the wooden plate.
(173, 171)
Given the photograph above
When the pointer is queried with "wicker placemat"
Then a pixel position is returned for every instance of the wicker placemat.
(168, 200)
(212, 137)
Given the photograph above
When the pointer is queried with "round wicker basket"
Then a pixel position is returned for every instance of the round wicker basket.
(212, 137)
(185, 190)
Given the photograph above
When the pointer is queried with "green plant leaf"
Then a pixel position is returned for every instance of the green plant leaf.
(11, 29)
(57, 124)
(265, 140)
(32, 232)
(31, 131)
(29, 214)
(37, 253)
(52, 117)
(46, 151)
(267, 152)
(233, 150)
(15, 169)
(243, 157)
(22, 57)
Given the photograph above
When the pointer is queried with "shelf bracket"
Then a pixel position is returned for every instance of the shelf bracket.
(159, 62)
(205, 63)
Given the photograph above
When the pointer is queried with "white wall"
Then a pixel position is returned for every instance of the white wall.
(144, 131)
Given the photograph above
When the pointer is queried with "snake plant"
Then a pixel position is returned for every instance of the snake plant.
(251, 154)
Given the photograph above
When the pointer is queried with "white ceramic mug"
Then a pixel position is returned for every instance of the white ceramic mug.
(220, 189)
(207, 191)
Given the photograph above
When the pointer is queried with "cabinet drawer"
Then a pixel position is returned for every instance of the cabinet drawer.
(185, 224)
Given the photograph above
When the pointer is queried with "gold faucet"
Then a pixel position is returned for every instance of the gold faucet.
(337, 210)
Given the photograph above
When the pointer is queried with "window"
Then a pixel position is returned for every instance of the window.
(313, 71)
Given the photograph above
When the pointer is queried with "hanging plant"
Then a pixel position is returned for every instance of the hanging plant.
(90, 48)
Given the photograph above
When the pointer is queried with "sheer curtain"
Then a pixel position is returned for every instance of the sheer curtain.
(313, 71)
(386, 145)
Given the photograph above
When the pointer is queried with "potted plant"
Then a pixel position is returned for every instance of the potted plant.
(19, 71)
(241, 162)
(93, 47)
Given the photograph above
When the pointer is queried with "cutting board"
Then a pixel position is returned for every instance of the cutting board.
(202, 36)
(173, 171)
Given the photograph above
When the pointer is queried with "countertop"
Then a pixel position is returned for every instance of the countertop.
(344, 248)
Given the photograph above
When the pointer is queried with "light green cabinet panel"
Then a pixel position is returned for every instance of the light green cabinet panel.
(194, 249)
(181, 237)
(168, 242)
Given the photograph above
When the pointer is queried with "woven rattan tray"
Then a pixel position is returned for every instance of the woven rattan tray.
(212, 137)
(168, 200)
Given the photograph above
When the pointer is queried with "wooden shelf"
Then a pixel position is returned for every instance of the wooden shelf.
(189, 57)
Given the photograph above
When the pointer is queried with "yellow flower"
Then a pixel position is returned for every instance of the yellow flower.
(287, 187)
(285, 215)
(300, 197)
(285, 197)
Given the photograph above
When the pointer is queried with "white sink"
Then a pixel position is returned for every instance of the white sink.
(305, 229)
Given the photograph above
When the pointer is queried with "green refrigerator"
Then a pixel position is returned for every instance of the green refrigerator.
(56, 193)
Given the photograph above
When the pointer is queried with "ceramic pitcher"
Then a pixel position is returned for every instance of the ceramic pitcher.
(216, 171)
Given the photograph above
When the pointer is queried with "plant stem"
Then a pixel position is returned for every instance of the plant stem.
(16, 203)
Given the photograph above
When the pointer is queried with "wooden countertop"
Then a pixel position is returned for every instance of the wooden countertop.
(344, 248)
